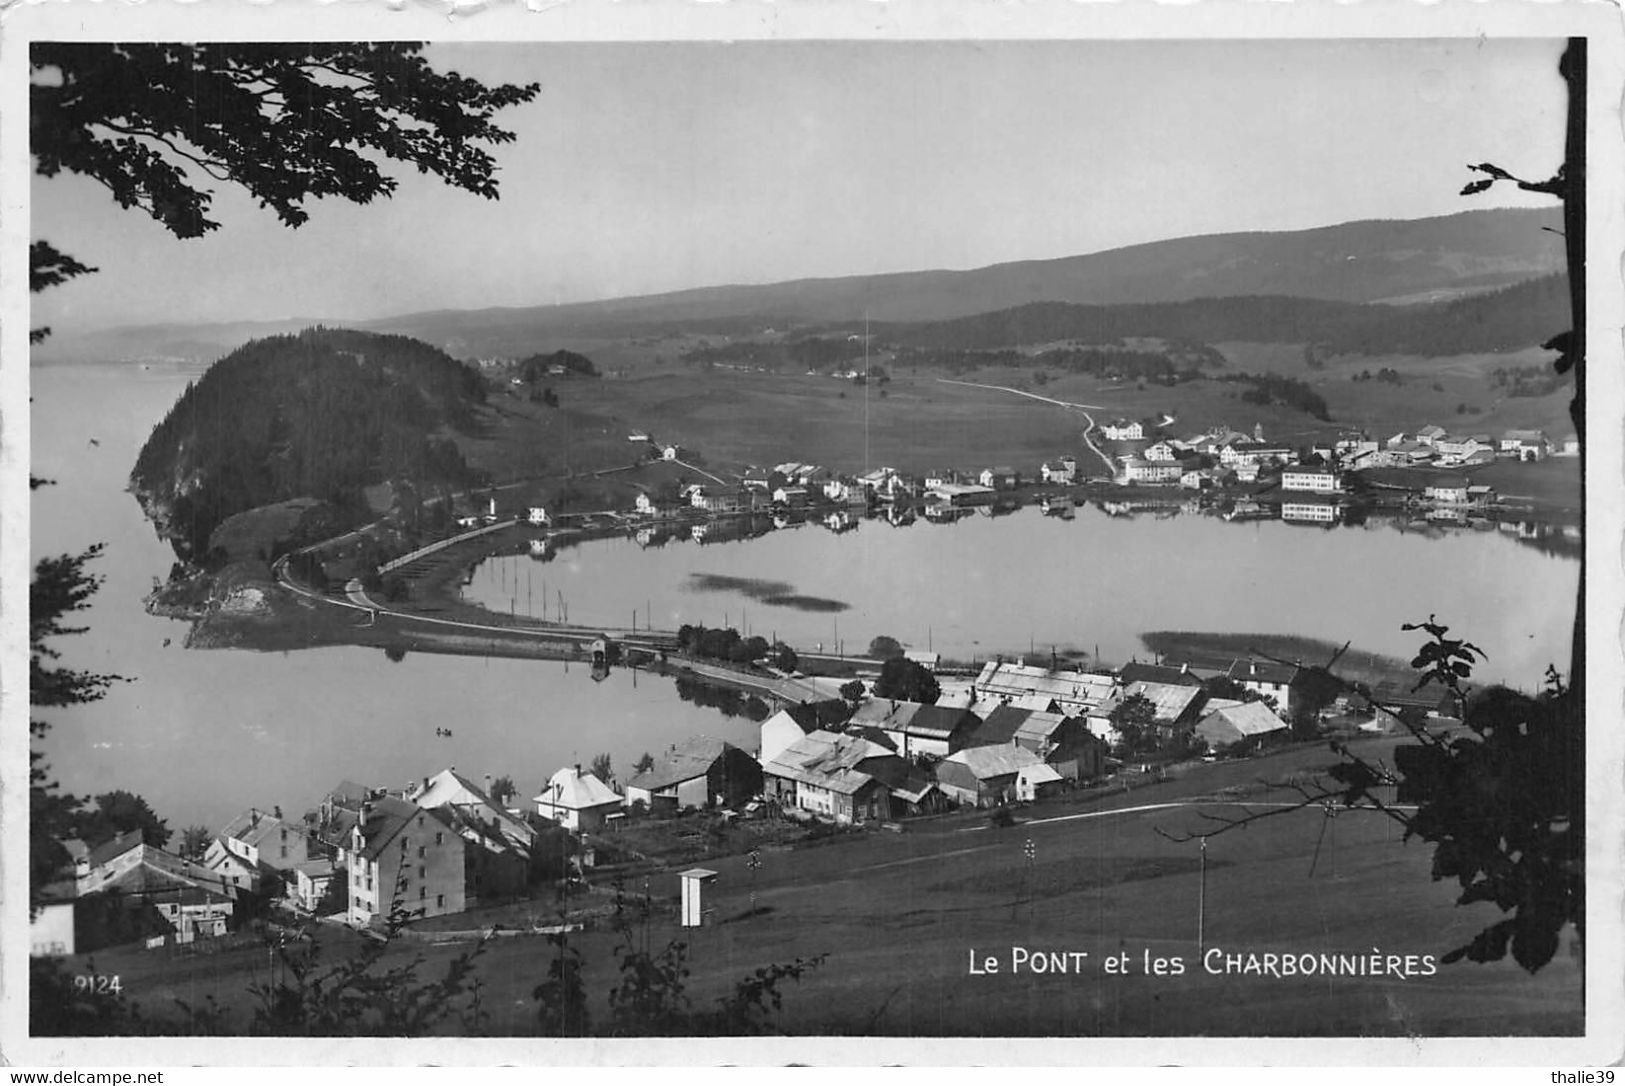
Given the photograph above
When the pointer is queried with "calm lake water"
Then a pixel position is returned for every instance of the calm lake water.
(1026, 582)
(205, 734)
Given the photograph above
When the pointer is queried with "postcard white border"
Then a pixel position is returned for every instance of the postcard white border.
(878, 20)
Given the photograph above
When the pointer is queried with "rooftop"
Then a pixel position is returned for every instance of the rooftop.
(986, 763)
(689, 759)
(577, 791)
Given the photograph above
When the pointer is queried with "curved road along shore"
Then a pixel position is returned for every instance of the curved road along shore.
(787, 689)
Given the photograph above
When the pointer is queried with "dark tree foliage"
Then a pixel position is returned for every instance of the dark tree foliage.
(195, 842)
(905, 680)
(320, 414)
(61, 587)
(852, 691)
(645, 762)
(157, 124)
(884, 647)
(118, 812)
(1108, 363)
(1514, 317)
(536, 367)
(721, 644)
(1268, 388)
(1526, 381)
(502, 789)
(602, 767)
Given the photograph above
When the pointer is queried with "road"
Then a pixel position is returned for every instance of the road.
(1081, 408)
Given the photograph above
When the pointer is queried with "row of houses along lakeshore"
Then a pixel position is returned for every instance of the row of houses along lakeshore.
(445, 843)
(1313, 480)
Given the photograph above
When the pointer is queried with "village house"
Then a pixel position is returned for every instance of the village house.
(1461, 450)
(537, 517)
(1312, 479)
(844, 491)
(984, 776)
(448, 788)
(1175, 705)
(577, 801)
(1447, 490)
(1198, 479)
(1237, 453)
(1062, 472)
(1040, 688)
(915, 729)
(961, 495)
(782, 729)
(1267, 679)
(1529, 445)
(671, 452)
(791, 497)
(1245, 725)
(838, 776)
(1160, 452)
(123, 884)
(1138, 472)
(1430, 434)
(1123, 430)
(1034, 782)
(403, 855)
(648, 505)
(1064, 743)
(1000, 478)
(309, 883)
(699, 772)
(236, 871)
(260, 836)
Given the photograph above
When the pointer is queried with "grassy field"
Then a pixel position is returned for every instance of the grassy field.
(901, 916)
(916, 422)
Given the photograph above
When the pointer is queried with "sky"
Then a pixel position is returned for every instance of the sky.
(648, 167)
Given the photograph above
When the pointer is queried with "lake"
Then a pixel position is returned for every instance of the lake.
(205, 734)
(1026, 583)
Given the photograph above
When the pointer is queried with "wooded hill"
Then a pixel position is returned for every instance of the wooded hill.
(319, 414)
(1524, 315)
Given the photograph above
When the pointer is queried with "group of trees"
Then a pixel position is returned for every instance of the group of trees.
(1526, 380)
(714, 643)
(1268, 388)
(1386, 375)
(904, 680)
(324, 414)
(1517, 316)
(533, 369)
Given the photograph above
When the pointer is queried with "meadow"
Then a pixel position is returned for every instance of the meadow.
(902, 917)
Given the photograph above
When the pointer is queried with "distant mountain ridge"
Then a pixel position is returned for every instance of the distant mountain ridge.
(1525, 314)
(1366, 261)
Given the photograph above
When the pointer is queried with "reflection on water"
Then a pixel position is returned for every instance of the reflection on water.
(971, 584)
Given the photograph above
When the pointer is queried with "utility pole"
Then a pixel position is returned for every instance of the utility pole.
(1201, 903)
(753, 861)
(1031, 852)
